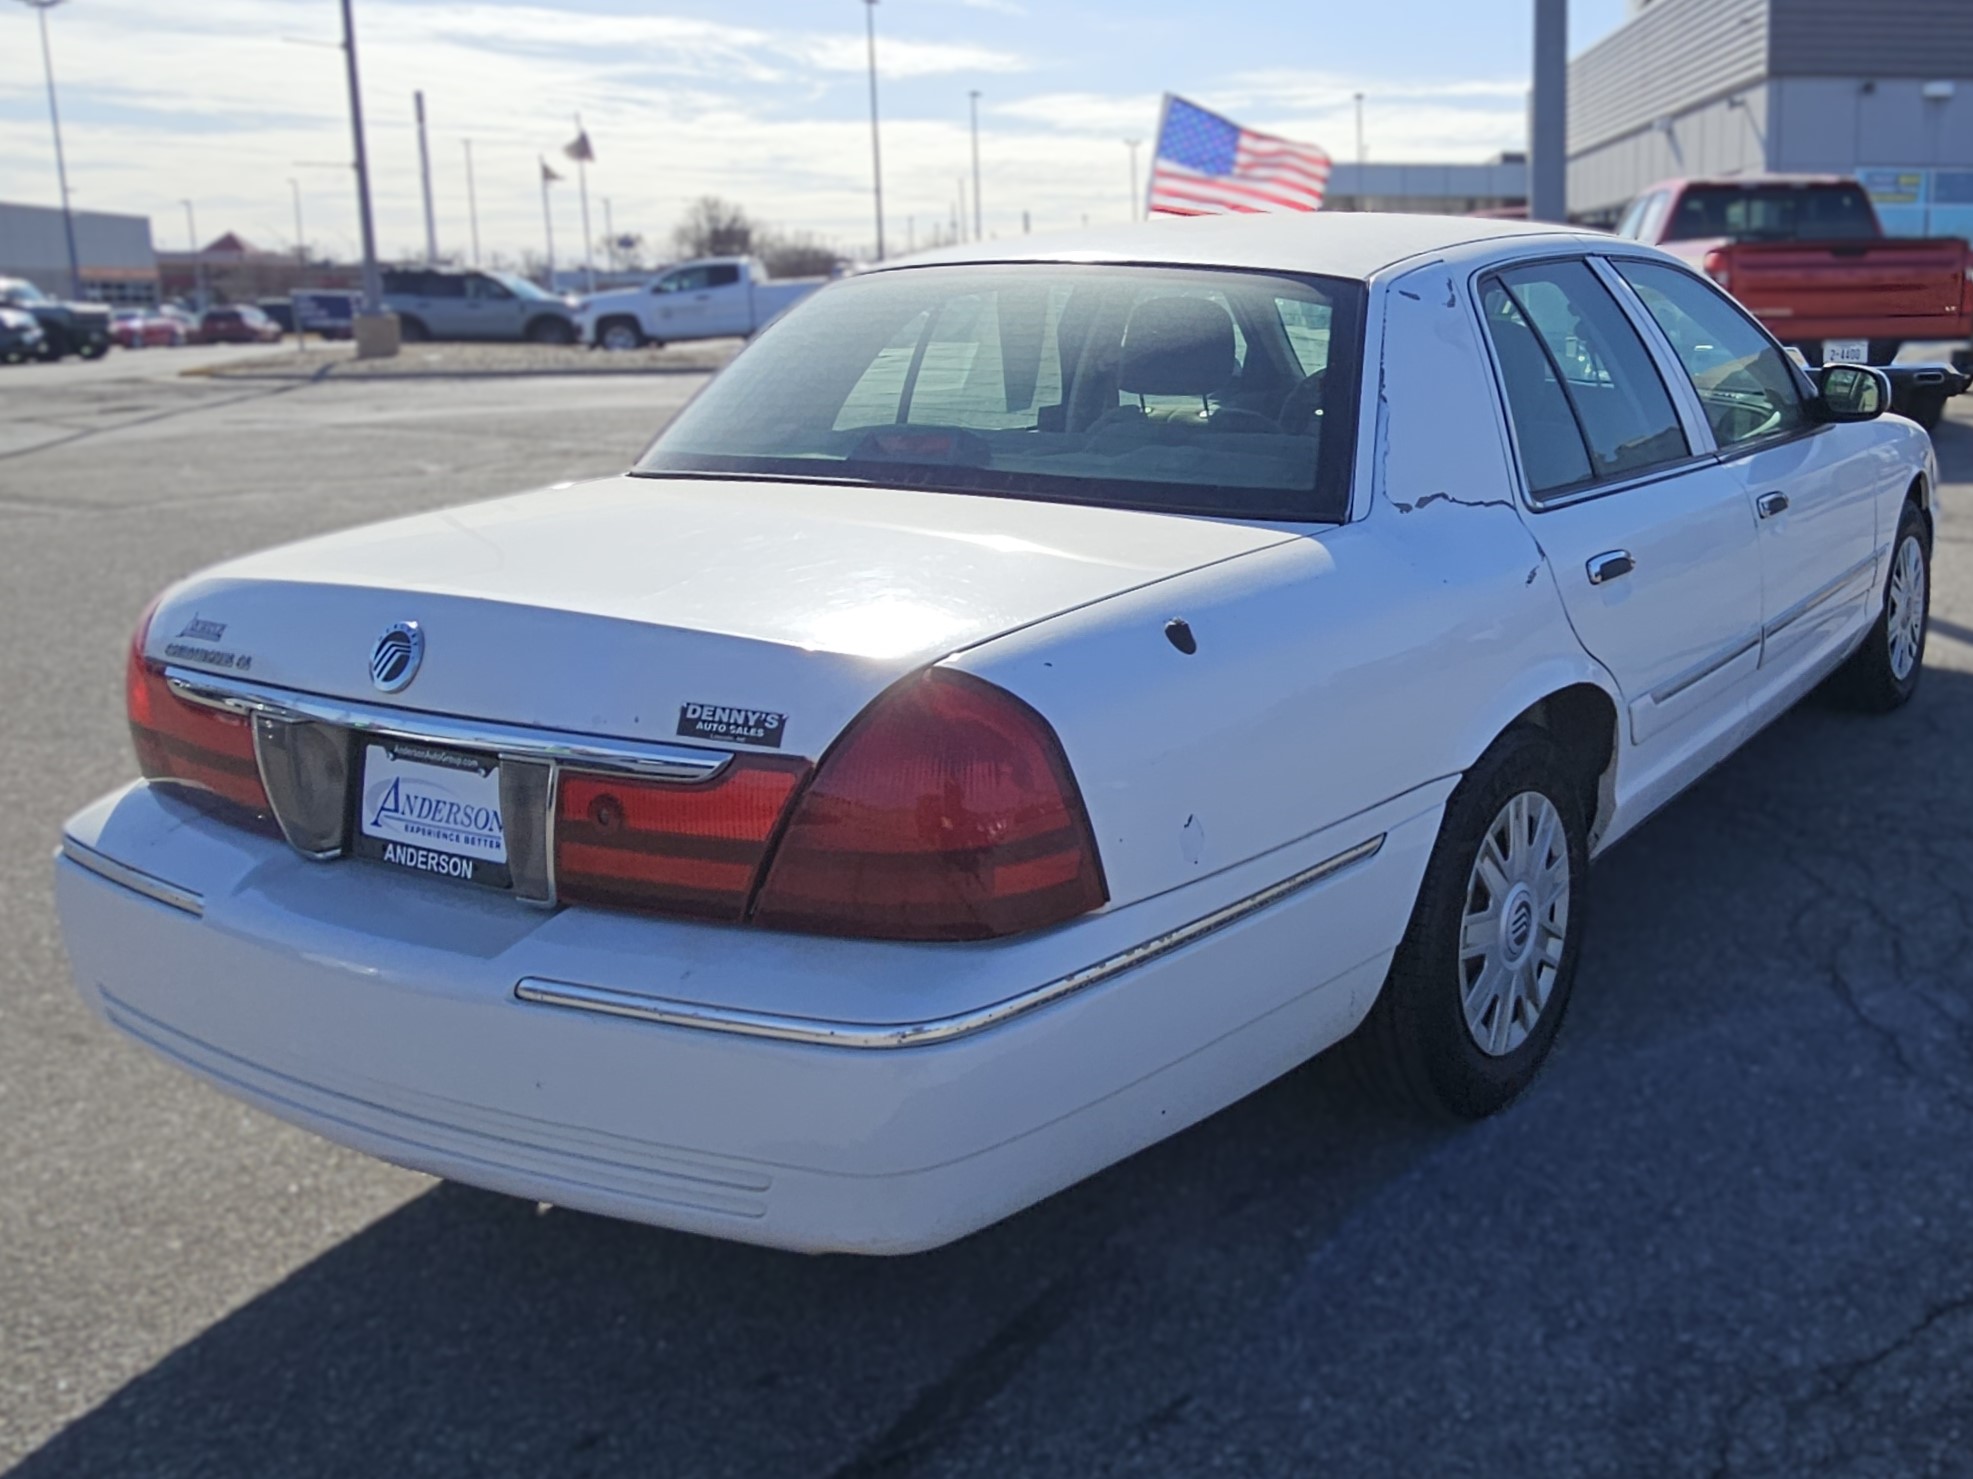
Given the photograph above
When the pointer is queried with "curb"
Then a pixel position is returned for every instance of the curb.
(331, 372)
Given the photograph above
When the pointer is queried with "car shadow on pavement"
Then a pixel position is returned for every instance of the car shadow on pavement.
(1730, 1206)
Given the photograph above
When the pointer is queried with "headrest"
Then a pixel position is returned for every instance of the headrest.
(1177, 346)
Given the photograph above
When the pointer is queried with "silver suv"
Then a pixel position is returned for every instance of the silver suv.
(434, 303)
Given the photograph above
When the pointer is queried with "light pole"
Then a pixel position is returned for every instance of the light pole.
(198, 257)
(979, 234)
(876, 151)
(472, 202)
(1131, 144)
(373, 285)
(1548, 115)
(41, 9)
(425, 181)
(301, 248)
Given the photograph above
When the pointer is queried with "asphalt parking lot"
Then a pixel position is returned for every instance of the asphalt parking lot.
(1728, 1232)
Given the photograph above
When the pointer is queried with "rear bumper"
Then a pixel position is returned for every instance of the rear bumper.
(382, 1012)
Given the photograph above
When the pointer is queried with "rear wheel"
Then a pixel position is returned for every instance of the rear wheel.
(551, 331)
(412, 330)
(1479, 986)
(93, 348)
(620, 334)
(1883, 674)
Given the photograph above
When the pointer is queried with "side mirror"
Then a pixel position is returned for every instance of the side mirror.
(1854, 393)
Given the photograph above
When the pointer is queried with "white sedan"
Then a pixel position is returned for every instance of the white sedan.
(1035, 696)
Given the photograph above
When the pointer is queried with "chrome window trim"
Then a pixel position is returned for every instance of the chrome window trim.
(1819, 597)
(580, 751)
(135, 879)
(821, 1032)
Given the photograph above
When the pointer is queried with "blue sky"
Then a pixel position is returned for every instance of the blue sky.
(762, 101)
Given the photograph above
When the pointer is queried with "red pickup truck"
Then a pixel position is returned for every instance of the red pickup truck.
(1808, 257)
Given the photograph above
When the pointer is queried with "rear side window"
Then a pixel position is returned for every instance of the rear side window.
(1623, 415)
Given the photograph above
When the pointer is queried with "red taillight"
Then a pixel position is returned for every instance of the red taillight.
(677, 849)
(945, 812)
(189, 743)
(1717, 269)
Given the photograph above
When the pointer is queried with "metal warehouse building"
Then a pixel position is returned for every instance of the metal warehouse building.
(118, 265)
(1882, 89)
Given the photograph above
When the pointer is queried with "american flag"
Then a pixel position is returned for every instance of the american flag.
(1209, 165)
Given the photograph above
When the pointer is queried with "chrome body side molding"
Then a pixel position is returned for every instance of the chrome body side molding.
(135, 879)
(821, 1032)
(1704, 670)
(1808, 603)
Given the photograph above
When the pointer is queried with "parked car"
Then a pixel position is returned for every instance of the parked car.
(714, 298)
(66, 328)
(439, 303)
(1808, 257)
(147, 328)
(1032, 697)
(20, 336)
(280, 311)
(237, 323)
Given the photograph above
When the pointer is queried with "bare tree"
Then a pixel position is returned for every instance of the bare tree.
(796, 255)
(714, 228)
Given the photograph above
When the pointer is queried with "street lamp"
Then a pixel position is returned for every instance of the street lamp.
(373, 283)
(301, 248)
(978, 233)
(876, 153)
(198, 257)
(1131, 144)
(41, 9)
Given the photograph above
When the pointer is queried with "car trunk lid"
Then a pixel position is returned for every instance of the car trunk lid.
(628, 607)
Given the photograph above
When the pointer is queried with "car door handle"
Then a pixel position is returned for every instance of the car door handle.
(1611, 565)
(1771, 504)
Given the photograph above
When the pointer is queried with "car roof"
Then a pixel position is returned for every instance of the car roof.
(1357, 244)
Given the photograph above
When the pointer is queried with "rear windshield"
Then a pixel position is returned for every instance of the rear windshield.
(1188, 391)
(1773, 213)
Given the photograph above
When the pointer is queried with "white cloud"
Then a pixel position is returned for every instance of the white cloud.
(225, 111)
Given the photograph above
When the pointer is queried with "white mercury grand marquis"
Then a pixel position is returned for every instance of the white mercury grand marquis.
(1037, 694)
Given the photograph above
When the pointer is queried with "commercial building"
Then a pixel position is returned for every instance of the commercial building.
(118, 265)
(1430, 189)
(1880, 90)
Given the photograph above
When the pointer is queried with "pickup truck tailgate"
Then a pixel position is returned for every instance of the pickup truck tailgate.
(1916, 288)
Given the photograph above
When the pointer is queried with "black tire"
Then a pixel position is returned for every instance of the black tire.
(1415, 1046)
(1928, 409)
(1870, 680)
(550, 330)
(412, 331)
(627, 331)
(93, 348)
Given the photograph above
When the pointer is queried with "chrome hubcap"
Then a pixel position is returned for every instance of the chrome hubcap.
(1515, 924)
(1905, 624)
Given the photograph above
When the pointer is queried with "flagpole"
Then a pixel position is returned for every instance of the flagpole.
(472, 203)
(548, 225)
(588, 237)
(1157, 143)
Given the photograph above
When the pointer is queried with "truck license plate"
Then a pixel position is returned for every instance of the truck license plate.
(1846, 351)
(433, 811)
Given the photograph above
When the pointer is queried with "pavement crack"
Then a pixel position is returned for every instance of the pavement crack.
(975, 1380)
(167, 414)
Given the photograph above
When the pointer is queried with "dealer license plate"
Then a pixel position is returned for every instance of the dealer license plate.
(433, 811)
(1846, 351)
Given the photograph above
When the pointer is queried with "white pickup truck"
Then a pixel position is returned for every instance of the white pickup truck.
(712, 298)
